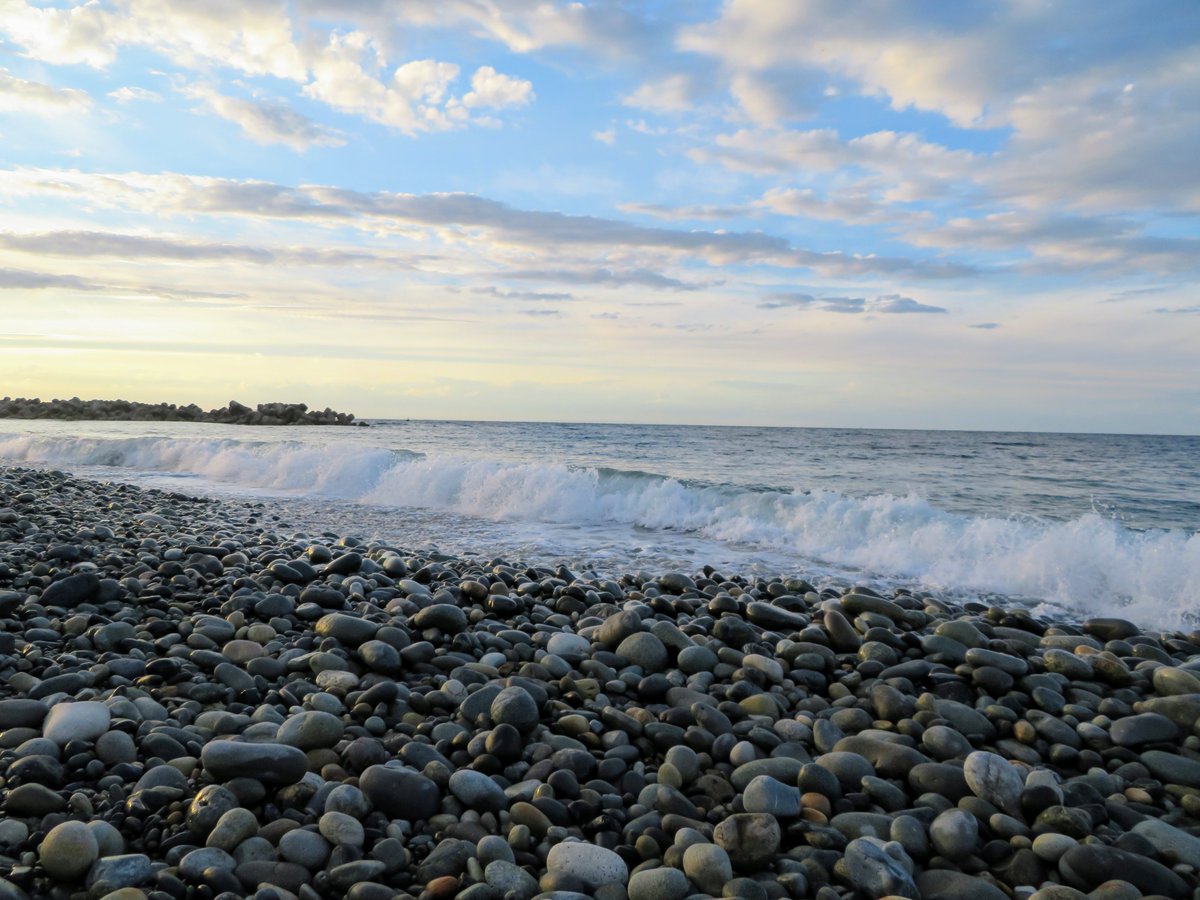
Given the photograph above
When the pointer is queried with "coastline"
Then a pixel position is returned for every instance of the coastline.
(445, 727)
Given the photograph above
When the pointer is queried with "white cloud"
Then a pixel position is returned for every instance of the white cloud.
(495, 229)
(607, 136)
(415, 98)
(268, 121)
(19, 95)
(673, 94)
(129, 94)
(492, 90)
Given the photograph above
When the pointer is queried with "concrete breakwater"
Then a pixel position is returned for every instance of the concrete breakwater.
(195, 702)
(133, 411)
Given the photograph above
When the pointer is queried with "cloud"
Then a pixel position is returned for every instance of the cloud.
(689, 213)
(1057, 243)
(1179, 310)
(673, 94)
(605, 278)
(19, 279)
(608, 136)
(267, 121)
(892, 304)
(255, 37)
(129, 94)
(19, 95)
(85, 244)
(415, 97)
(986, 326)
(492, 90)
(463, 219)
(492, 291)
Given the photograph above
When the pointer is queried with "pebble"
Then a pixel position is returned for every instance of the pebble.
(592, 865)
(80, 721)
(236, 711)
(707, 866)
(68, 851)
(658, 884)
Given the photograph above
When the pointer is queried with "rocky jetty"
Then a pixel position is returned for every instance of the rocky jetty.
(196, 704)
(132, 411)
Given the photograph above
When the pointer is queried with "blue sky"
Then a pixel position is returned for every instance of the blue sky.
(955, 215)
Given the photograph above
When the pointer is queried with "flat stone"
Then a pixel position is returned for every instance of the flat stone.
(1088, 866)
(993, 778)
(83, 721)
(478, 791)
(400, 793)
(510, 879)
(310, 730)
(22, 713)
(1171, 768)
(946, 884)
(1173, 844)
(112, 873)
(348, 630)
(444, 617)
(1146, 728)
(765, 794)
(267, 762)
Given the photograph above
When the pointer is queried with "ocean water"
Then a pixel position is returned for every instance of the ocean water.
(1064, 523)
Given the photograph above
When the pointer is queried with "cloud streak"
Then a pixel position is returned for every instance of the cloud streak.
(888, 304)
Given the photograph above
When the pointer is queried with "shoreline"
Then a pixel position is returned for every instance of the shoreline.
(194, 702)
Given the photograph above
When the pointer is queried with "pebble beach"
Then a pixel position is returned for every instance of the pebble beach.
(198, 702)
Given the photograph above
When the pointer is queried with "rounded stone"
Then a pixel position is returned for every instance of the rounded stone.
(510, 879)
(750, 839)
(83, 721)
(879, 868)
(708, 867)
(232, 828)
(442, 616)
(311, 730)
(658, 884)
(993, 778)
(954, 833)
(68, 850)
(565, 643)
(400, 793)
(765, 794)
(644, 650)
(593, 865)
(267, 762)
(478, 791)
(339, 828)
(306, 848)
(514, 706)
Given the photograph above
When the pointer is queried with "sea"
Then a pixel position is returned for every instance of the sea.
(1068, 525)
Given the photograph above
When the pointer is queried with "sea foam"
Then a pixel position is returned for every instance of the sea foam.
(1089, 564)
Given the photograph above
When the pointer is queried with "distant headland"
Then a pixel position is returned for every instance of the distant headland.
(132, 411)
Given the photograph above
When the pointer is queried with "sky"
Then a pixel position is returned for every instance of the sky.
(848, 213)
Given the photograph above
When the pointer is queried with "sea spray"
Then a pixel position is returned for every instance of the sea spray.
(1089, 563)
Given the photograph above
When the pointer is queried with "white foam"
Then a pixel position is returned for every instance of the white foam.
(1090, 564)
